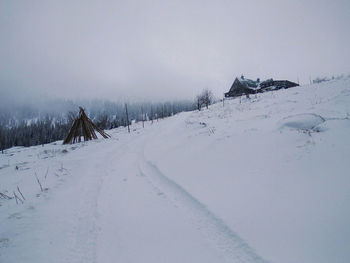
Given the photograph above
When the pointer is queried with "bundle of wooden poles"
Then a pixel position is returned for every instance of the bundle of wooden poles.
(83, 126)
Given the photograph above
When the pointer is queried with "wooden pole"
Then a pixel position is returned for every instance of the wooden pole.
(152, 117)
(127, 116)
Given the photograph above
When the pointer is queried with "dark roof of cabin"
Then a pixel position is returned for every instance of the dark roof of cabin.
(248, 82)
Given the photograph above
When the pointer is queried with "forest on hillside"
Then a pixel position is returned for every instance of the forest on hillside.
(29, 125)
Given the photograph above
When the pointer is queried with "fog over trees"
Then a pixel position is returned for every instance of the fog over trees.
(31, 124)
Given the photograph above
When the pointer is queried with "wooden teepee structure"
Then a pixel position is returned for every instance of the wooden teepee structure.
(83, 126)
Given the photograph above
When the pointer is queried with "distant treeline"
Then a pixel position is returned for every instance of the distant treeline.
(29, 126)
(324, 79)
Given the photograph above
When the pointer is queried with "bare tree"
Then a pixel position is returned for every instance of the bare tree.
(208, 97)
(205, 98)
(199, 102)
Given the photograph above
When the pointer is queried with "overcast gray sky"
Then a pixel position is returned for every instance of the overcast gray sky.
(166, 49)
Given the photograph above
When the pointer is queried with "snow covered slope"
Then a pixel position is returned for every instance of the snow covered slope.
(264, 180)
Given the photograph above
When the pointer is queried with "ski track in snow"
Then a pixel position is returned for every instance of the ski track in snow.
(234, 248)
(86, 229)
(84, 232)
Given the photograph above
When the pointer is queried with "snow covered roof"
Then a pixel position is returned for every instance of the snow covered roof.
(248, 82)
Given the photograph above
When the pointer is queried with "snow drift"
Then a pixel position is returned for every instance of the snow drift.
(303, 122)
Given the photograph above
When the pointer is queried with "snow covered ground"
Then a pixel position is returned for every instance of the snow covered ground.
(265, 180)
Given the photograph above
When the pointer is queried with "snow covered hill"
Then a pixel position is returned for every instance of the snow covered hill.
(266, 179)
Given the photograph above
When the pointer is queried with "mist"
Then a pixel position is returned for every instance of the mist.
(164, 50)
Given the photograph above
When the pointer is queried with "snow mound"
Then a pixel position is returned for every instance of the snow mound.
(303, 122)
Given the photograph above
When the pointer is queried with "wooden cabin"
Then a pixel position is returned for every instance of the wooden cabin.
(242, 86)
